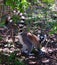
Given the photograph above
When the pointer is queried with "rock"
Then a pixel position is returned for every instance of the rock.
(45, 60)
(43, 49)
(12, 49)
(31, 57)
(6, 50)
(32, 63)
(0, 49)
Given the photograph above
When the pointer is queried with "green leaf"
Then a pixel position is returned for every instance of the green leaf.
(21, 5)
(48, 1)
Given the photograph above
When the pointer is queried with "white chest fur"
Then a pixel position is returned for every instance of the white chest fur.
(21, 41)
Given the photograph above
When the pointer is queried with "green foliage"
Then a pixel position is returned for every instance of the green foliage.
(21, 5)
(48, 1)
(16, 18)
(44, 13)
(0, 37)
(53, 26)
(2, 24)
(10, 60)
